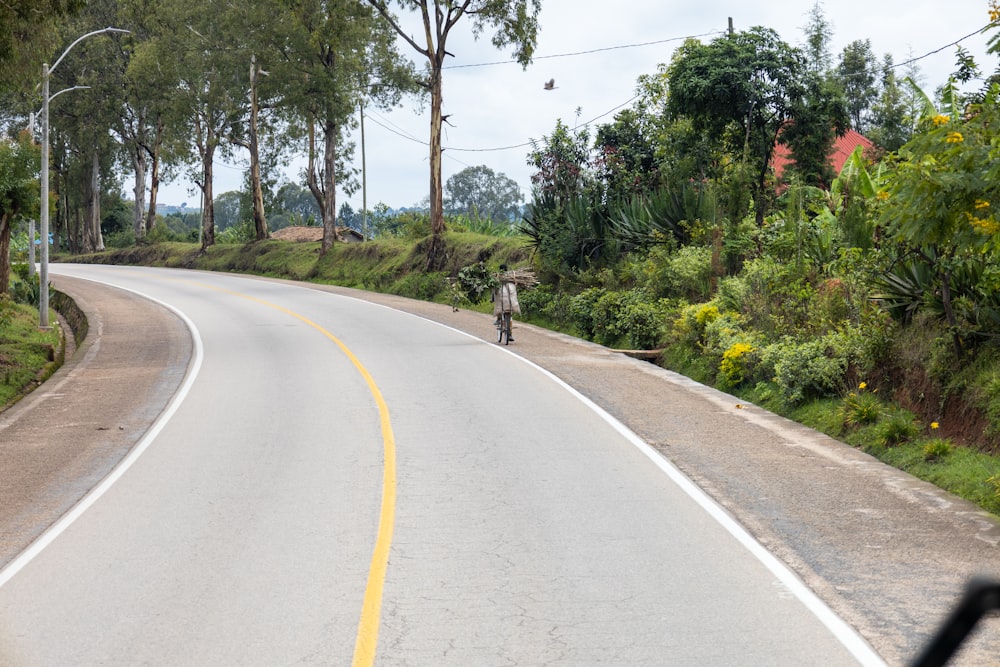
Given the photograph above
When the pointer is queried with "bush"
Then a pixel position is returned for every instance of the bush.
(806, 370)
(616, 318)
(542, 302)
(477, 281)
(735, 365)
(937, 449)
(896, 430)
(861, 407)
(685, 273)
(24, 288)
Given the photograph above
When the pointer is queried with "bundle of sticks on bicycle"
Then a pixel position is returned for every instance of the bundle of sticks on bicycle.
(520, 277)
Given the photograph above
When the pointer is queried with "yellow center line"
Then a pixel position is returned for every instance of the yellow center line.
(366, 641)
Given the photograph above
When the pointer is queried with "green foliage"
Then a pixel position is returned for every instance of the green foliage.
(25, 289)
(937, 449)
(897, 429)
(664, 215)
(808, 369)
(861, 407)
(546, 306)
(734, 369)
(238, 233)
(481, 194)
(620, 318)
(477, 281)
(684, 273)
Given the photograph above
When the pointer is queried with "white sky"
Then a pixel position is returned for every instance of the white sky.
(496, 106)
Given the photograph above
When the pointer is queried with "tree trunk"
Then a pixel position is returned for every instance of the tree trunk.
(314, 186)
(4, 254)
(92, 239)
(207, 209)
(329, 186)
(435, 253)
(154, 190)
(256, 192)
(154, 176)
(139, 191)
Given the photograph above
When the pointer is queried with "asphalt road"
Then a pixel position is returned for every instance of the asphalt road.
(528, 527)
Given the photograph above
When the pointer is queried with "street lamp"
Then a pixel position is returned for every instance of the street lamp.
(43, 275)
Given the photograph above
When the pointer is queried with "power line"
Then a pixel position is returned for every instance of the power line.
(385, 123)
(599, 50)
(939, 50)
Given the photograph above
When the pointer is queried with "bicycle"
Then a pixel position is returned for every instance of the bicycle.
(504, 326)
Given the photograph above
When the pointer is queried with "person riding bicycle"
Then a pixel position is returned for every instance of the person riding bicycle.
(504, 297)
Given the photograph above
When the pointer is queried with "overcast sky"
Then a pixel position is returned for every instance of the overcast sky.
(596, 54)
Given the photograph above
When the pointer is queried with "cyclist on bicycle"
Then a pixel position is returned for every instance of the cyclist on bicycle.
(504, 297)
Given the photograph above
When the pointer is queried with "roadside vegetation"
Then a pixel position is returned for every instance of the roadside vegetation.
(705, 222)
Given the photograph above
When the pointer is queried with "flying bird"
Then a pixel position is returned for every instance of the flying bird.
(550, 84)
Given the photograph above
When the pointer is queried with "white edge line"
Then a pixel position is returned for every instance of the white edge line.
(838, 627)
(847, 635)
(67, 519)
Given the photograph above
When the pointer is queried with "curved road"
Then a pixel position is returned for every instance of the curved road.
(343, 482)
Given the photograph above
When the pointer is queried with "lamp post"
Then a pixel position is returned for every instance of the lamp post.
(43, 274)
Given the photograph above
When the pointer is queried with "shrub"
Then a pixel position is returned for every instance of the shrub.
(582, 308)
(861, 407)
(937, 448)
(542, 302)
(733, 370)
(896, 430)
(804, 370)
(477, 281)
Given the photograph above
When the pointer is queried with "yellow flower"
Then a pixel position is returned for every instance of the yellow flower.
(882, 194)
(980, 204)
(940, 119)
(954, 138)
(934, 425)
(862, 385)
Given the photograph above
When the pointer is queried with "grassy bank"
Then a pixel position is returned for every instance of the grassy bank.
(28, 355)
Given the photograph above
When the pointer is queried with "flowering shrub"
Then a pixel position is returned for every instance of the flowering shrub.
(734, 368)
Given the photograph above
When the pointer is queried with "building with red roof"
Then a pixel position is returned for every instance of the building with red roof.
(841, 151)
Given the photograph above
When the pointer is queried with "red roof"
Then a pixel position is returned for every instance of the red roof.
(842, 149)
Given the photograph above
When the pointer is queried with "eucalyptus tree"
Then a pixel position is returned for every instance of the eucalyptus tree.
(196, 52)
(334, 54)
(891, 119)
(82, 121)
(29, 36)
(512, 22)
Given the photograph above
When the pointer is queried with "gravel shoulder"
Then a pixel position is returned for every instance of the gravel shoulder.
(890, 554)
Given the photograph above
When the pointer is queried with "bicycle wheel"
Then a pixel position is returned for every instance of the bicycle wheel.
(500, 328)
(507, 326)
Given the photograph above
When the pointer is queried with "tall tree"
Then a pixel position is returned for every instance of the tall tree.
(514, 22)
(482, 192)
(744, 87)
(857, 73)
(891, 123)
(337, 52)
(30, 34)
(819, 33)
(195, 53)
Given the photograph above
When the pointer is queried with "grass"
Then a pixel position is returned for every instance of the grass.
(28, 355)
